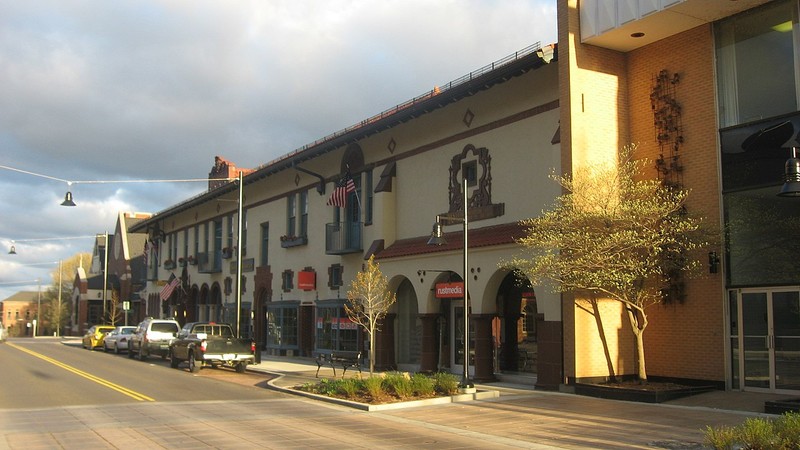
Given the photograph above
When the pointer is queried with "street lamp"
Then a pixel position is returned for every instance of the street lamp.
(437, 238)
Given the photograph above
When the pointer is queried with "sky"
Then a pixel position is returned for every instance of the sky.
(97, 90)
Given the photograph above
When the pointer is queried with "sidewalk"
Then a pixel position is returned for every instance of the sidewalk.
(293, 371)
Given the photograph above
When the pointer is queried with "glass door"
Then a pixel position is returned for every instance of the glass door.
(769, 339)
(786, 339)
(755, 340)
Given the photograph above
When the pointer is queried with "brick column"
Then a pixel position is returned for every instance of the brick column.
(484, 367)
(429, 353)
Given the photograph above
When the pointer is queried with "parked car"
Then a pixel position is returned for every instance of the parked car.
(211, 344)
(117, 340)
(152, 337)
(95, 335)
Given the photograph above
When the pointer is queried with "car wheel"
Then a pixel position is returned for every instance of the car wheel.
(241, 367)
(173, 361)
(194, 367)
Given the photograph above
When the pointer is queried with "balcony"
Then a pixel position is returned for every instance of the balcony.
(342, 238)
(209, 262)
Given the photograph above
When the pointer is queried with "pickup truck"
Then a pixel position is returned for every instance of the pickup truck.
(210, 344)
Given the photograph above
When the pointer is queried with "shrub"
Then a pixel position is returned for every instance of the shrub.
(423, 385)
(374, 387)
(399, 384)
(350, 387)
(446, 383)
(782, 433)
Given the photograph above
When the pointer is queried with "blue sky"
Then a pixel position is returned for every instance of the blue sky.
(143, 89)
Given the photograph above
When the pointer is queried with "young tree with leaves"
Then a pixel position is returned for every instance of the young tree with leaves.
(614, 235)
(368, 302)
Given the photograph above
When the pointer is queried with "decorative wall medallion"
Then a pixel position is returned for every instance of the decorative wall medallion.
(468, 117)
(391, 146)
(297, 179)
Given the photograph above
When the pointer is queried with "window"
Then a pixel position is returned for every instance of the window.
(185, 244)
(368, 198)
(264, 244)
(470, 172)
(196, 240)
(335, 331)
(303, 231)
(231, 231)
(282, 326)
(748, 44)
(206, 247)
(335, 276)
(291, 216)
(287, 280)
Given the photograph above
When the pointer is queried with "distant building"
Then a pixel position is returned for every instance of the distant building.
(19, 313)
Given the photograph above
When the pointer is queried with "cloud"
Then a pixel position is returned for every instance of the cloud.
(143, 89)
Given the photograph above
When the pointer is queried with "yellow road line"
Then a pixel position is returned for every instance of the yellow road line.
(133, 394)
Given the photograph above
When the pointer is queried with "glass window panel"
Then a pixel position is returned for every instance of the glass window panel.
(747, 44)
(762, 231)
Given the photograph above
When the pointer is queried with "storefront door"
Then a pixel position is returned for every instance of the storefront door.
(769, 339)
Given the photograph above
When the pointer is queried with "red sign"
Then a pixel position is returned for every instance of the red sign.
(450, 290)
(307, 280)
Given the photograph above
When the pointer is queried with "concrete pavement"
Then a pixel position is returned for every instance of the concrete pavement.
(560, 420)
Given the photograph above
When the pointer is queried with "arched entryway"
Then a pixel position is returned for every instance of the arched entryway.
(514, 329)
(408, 328)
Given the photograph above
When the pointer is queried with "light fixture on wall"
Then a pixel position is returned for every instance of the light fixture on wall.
(713, 262)
(791, 177)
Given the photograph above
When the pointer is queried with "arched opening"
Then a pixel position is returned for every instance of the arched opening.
(514, 328)
(408, 328)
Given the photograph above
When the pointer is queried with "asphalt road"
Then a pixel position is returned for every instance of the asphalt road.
(46, 373)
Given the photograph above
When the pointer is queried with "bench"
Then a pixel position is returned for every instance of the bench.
(345, 360)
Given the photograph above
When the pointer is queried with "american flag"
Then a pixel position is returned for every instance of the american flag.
(339, 196)
(167, 290)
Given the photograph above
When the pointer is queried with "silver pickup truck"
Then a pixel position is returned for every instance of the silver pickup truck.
(211, 344)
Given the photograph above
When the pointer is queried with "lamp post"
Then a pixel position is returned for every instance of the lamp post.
(437, 238)
(239, 259)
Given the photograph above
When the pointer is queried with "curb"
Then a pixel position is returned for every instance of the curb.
(479, 395)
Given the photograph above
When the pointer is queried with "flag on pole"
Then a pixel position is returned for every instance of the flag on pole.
(344, 187)
(167, 290)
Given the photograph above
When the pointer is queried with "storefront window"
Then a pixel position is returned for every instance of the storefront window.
(282, 326)
(335, 331)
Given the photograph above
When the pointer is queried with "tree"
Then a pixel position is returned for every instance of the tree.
(614, 235)
(64, 273)
(114, 310)
(368, 301)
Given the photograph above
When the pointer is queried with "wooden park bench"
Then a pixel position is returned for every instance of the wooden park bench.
(345, 360)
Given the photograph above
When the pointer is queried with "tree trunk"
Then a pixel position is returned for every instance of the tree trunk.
(372, 352)
(638, 331)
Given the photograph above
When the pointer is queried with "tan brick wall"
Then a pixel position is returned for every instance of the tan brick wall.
(605, 104)
(685, 340)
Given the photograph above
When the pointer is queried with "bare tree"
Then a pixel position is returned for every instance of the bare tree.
(58, 310)
(368, 301)
(614, 235)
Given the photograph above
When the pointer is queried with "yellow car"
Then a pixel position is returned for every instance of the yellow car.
(94, 336)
